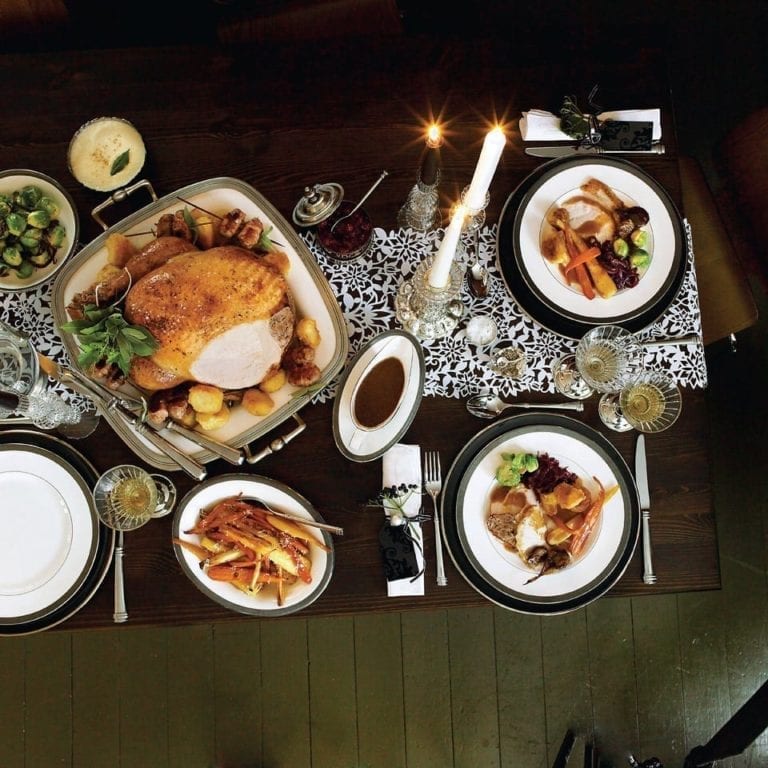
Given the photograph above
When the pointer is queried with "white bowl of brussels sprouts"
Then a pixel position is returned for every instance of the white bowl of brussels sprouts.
(39, 228)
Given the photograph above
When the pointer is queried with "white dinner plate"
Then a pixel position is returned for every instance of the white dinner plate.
(634, 187)
(281, 498)
(15, 179)
(310, 290)
(363, 445)
(48, 532)
(500, 574)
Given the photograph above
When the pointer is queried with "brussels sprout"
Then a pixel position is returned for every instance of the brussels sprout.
(514, 466)
(639, 237)
(640, 258)
(5, 207)
(26, 269)
(42, 259)
(16, 223)
(30, 196)
(56, 236)
(620, 247)
(39, 219)
(49, 206)
(30, 238)
(12, 255)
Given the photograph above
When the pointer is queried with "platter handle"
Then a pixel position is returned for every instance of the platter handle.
(277, 444)
(120, 195)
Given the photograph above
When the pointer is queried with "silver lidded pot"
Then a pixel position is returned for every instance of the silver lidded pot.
(320, 207)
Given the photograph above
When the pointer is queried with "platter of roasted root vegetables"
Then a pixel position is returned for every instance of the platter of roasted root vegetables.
(597, 240)
(233, 539)
(546, 514)
(208, 304)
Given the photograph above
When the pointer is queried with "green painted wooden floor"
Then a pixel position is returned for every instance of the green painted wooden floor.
(466, 688)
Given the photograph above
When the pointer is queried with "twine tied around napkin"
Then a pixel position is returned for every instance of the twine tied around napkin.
(401, 536)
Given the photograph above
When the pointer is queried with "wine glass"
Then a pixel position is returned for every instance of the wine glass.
(652, 403)
(127, 497)
(608, 357)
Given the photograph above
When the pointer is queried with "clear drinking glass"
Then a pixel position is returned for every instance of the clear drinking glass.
(128, 496)
(650, 403)
(609, 357)
(20, 375)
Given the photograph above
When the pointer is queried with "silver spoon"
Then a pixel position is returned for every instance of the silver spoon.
(362, 200)
(488, 405)
(477, 274)
(297, 518)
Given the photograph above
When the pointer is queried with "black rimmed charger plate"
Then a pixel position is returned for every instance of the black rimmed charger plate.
(499, 575)
(529, 296)
(106, 537)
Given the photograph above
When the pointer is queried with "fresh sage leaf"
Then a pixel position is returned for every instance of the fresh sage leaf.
(120, 162)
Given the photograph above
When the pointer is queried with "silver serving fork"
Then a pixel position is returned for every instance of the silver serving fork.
(433, 484)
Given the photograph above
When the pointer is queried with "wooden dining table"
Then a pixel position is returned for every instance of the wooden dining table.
(283, 117)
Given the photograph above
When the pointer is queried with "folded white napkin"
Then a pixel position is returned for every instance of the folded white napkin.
(538, 125)
(402, 464)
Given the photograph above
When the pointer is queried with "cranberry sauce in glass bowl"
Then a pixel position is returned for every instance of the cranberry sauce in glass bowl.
(351, 239)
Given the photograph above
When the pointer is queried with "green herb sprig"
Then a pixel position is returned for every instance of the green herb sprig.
(120, 162)
(573, 121)
(105, 336)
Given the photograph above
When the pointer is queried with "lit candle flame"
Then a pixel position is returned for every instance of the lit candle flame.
(434, 136)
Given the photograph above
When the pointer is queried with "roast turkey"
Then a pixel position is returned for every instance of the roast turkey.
(222, 317)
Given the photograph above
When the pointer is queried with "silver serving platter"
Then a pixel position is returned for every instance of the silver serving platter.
(310, 290)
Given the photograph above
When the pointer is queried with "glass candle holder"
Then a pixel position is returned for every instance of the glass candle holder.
(475, 217)
(420, 210)
(428, 312)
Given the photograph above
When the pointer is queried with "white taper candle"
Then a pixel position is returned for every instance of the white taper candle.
(439, 273)
(486, 167)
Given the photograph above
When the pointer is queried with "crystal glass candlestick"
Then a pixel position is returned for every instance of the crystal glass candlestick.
(475, 216)
(428, 312)
(420, 210)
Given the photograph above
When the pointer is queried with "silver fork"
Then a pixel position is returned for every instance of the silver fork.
(433, 484)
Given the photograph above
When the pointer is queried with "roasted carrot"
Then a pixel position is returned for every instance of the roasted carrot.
(590, 519)
(582, 258)
(584, 282)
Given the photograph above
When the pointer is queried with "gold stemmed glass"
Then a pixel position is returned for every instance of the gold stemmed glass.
(127, 497)
(650, 403)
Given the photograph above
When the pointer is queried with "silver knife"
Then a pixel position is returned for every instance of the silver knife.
(641, 478)
(577, 149)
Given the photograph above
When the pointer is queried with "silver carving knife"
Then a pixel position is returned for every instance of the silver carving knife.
(80, 383)
(72, 376)
(641, 478)
(577, 149)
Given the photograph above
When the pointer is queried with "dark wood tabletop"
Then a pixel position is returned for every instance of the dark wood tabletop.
(288, 116)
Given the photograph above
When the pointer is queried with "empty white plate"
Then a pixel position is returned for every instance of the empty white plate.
(48, 532)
